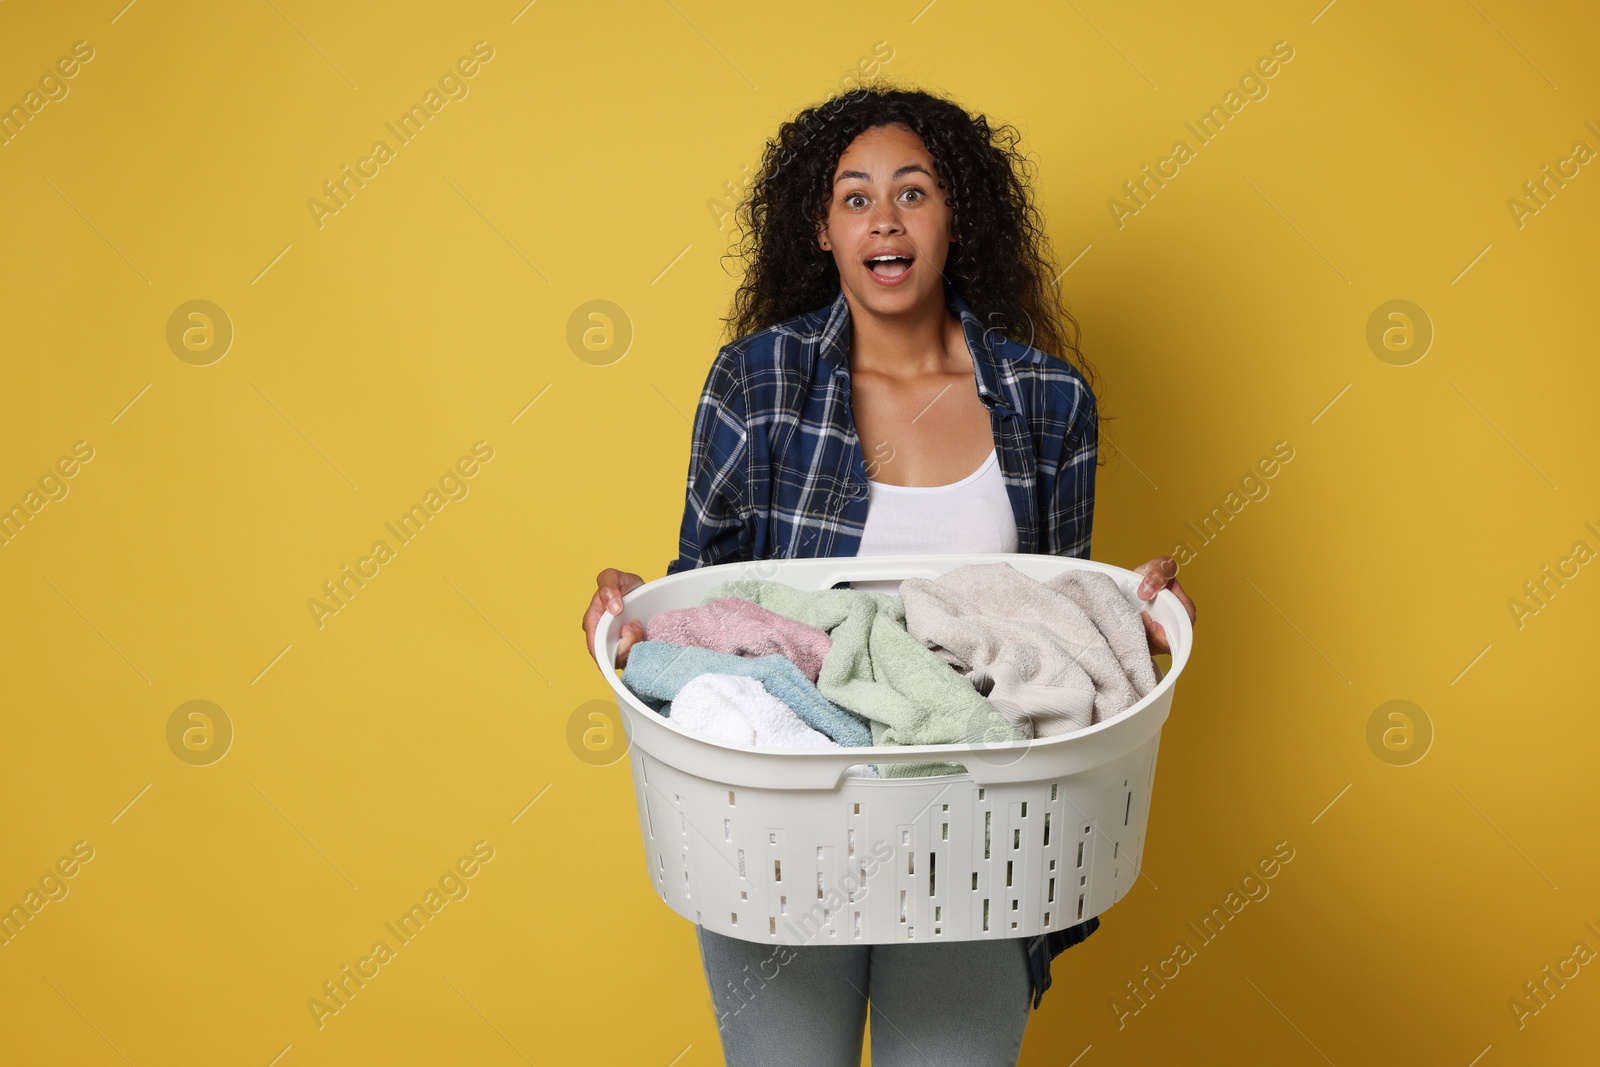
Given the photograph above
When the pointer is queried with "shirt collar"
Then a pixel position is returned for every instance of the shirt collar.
(836, 345)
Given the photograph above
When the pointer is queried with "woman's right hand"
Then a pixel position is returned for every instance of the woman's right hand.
(611, 585)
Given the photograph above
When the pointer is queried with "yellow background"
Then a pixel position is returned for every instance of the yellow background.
(428, 314)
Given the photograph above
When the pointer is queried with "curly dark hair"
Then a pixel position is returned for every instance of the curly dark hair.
(1000, 256)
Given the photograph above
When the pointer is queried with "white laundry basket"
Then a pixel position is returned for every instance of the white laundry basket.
(781, 846)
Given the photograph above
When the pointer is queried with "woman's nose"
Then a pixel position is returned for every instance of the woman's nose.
(886, 220)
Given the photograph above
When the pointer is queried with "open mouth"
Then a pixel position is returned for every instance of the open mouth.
(890, 269)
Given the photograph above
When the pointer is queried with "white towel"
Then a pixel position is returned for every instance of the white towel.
(738, 709)
(727, 707)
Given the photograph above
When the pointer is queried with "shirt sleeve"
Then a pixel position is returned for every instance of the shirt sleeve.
(713, 529)
(1070, 523)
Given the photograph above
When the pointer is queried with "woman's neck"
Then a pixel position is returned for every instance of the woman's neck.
(920, 341)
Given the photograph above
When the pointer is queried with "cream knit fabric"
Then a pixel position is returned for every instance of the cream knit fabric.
(1039, 651)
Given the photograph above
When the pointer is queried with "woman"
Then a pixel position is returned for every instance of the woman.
(898, 281)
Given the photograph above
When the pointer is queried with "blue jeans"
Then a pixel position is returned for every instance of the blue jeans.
(956, 1002)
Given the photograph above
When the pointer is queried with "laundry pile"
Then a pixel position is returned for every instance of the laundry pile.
(982, 653)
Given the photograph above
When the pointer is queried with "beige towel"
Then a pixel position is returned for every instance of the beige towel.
(1036, 650)
(1117, 620)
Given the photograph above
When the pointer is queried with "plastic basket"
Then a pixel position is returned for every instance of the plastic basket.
(781, 846)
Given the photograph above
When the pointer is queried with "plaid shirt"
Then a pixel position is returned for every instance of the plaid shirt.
(776, 470)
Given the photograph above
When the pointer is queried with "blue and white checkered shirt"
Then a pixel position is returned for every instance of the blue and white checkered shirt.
(776, 470)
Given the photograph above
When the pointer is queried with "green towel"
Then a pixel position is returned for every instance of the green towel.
(876, 669)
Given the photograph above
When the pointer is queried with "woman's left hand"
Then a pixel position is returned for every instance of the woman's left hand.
(1160, 573)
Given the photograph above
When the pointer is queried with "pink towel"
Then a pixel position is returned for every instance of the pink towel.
(744, 628)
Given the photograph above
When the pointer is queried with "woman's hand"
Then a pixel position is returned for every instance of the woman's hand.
(1160, 573)
(611, 584)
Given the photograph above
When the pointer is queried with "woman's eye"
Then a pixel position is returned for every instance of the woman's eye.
(849, 201)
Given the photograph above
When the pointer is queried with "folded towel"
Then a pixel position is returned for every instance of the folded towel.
(1028, 645)
(657, 670)
(876, 669)
(732, 624)
(739, 710)
(1118, 621)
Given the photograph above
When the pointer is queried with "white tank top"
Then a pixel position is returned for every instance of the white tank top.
(966, 516)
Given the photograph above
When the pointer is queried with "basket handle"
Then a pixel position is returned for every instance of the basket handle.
(824, 769)
(891, 568)
(823, 572)
(996, 766)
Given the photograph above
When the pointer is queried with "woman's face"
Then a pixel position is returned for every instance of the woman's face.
(887, 198)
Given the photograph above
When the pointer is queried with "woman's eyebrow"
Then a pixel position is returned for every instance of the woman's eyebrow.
(909, 168)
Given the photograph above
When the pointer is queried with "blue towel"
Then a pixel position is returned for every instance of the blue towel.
(656, 670)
